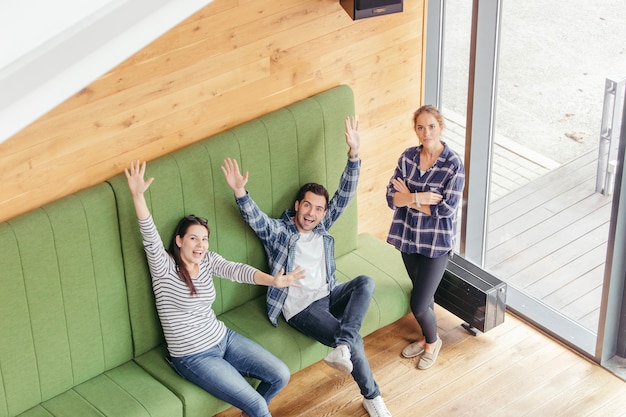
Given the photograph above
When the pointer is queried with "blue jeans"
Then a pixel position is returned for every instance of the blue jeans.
(221, 369)
(336, 319)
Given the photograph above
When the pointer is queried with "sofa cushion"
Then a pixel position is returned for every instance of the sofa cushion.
(63, 298)
(292, 347)
(383, 263)
(196, 402)
(124, 391)
(63, 302)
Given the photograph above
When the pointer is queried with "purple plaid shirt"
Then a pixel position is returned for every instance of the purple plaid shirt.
(412, 231)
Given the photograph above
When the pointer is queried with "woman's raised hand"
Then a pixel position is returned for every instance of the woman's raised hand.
(138, 185)
(288, 280)
(135, 177)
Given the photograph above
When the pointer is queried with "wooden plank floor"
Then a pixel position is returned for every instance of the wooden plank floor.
(549, 238)
(512, 370)
(548, 228)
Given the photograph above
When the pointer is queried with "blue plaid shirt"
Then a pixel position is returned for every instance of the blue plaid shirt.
(411, 230)
(279, 236)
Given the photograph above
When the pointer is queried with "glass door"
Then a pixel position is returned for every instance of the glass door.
(535, 142)
(548, 224)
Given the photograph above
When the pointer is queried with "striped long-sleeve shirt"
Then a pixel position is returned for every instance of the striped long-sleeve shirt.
(188, 321)
(411, 230)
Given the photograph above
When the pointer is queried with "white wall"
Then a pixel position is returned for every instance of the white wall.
(49, 50)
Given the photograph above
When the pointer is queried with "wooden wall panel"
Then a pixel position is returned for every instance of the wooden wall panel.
(232, 61)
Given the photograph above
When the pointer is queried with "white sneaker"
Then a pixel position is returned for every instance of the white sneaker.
(339, 358)
(376, 407)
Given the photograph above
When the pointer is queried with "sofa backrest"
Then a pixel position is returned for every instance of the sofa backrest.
(282, 150)
(63, 305)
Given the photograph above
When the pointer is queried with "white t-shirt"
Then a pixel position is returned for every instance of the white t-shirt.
(310, 257)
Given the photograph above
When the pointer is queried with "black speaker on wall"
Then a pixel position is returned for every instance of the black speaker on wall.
(360, 9)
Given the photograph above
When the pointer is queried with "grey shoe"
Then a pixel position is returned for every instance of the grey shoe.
(428, 359)
(376, 407)
(339, 358)
(413, 350)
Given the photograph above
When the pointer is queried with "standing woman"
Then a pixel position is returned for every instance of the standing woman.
(202, 349)
(425, 191)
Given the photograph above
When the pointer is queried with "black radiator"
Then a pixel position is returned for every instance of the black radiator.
(473, 295)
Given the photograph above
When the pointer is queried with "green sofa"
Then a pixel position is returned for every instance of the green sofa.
(79, 333)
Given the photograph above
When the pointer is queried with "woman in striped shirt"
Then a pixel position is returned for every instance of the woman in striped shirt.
(425, 192)
(202, 349)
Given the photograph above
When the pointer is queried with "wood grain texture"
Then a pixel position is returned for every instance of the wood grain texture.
(512, 370)
(231, 62)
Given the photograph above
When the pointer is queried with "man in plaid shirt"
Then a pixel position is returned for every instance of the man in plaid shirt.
(320, 307)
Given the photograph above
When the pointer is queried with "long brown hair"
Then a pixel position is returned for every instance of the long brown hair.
(174, 250)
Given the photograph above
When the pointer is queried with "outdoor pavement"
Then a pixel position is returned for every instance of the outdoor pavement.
(555, 57)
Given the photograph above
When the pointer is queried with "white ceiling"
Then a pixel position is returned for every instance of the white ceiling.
(49, 50)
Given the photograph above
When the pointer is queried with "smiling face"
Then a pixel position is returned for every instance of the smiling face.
(193, 245)
(310, 210)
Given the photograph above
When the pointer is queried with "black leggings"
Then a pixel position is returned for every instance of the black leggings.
(426, 274)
